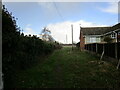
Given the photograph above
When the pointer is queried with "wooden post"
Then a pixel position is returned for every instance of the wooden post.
(118, 64)
(88, 46)
(96, 48)
(116, 50)
(92, 47)
(102, 53)
(1, 81)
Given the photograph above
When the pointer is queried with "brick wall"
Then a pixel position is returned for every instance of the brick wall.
(82, 41)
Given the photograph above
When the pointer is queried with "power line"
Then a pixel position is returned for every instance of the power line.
(58, 11)
(72, 35)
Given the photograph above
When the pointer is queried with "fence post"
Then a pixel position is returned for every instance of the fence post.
(92, 47)
(102, 52)
(116, 51)
(88, 47)
(96, 48)
(1, 81)
(118, 64)
(103, 47)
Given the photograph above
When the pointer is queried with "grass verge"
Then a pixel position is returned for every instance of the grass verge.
(69, 69)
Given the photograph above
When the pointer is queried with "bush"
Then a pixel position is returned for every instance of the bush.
(19, 51)
(57, 45)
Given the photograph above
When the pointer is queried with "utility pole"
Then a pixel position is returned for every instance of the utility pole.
(66, 38)
(72, 36)
(80, 38)
(118, 12)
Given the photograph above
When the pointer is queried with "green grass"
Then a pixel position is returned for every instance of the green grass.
(69, 69)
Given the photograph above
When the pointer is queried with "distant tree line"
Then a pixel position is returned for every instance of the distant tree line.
(20, 52)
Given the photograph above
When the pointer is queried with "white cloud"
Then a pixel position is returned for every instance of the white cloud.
(112, 8)
(60, 30)
(28, 30)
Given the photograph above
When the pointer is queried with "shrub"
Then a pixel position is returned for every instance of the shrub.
(19, 51)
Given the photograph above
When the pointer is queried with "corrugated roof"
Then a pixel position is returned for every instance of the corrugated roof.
(95, 30)
(98, 30)
(116, 27)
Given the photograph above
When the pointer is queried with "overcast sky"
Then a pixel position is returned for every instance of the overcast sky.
(58, 17)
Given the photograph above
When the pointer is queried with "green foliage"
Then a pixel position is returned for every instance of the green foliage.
(57, 45)
(19, 51)
(108, 39)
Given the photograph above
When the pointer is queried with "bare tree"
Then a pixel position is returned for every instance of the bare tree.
(45, 35)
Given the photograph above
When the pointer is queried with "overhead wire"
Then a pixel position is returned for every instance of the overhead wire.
(58, 11)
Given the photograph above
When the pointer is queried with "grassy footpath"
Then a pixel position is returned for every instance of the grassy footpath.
(66, 69)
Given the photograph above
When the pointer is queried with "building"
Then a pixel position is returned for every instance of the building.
(97, 34)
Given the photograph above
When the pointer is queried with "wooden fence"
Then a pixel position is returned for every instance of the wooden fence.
(110, 49)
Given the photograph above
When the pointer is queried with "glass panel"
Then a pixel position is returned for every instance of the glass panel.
(92, 40)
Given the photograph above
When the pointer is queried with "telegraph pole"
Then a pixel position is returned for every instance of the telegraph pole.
(66, 38)
(72, 36)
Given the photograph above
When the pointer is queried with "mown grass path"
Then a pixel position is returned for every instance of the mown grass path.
(66, 69)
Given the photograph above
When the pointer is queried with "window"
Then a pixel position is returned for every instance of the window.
(92, 40)
(98, 39)
(113, 35)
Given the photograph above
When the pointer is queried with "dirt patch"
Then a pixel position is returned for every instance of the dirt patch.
(92, 62)
(99, 63)
(103, 70)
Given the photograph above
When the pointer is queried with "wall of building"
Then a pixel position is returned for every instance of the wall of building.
(82, 41)
(92, 39)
